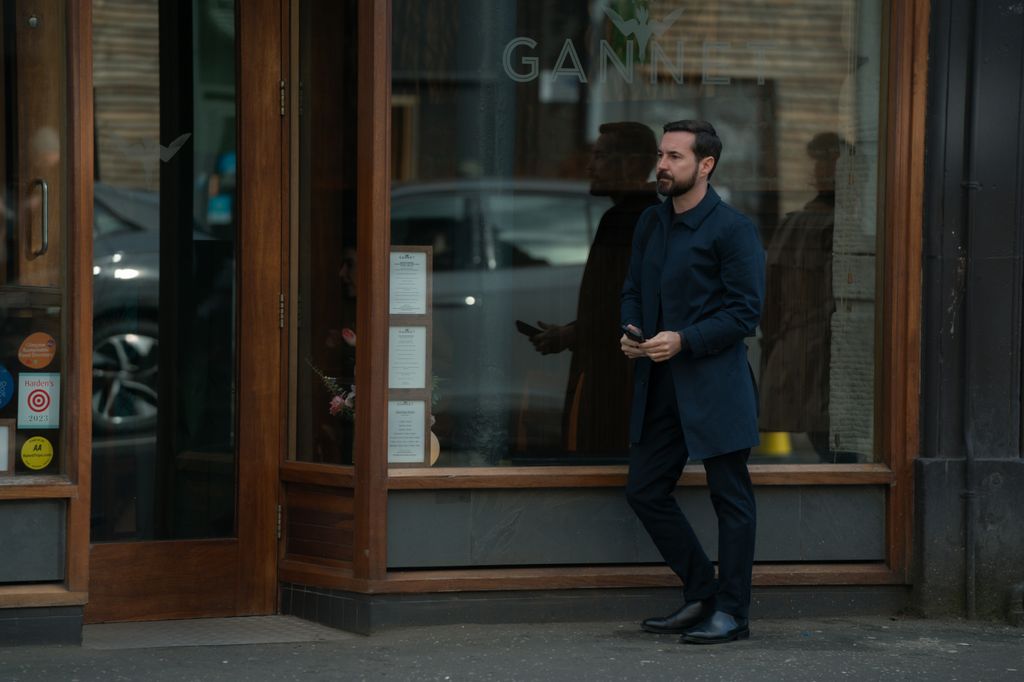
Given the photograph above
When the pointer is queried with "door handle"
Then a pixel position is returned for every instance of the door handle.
(46, 216)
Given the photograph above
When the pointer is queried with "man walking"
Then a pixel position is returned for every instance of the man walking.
(692, 294)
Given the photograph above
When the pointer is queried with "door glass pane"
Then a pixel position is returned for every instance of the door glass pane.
(33, 219)
(164, 270)
(325, 260)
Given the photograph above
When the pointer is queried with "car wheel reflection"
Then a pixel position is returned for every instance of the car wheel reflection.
(125, 375)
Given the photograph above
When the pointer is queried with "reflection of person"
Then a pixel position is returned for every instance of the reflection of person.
(694, 291)
(597, 396)
(796, 326)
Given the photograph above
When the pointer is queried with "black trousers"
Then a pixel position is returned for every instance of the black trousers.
(655, 464)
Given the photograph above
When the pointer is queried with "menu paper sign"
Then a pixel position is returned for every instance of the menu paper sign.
(407, 357)
(408, 283)
(406, 431)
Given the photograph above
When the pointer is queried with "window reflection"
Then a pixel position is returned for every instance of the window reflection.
(163, 396)
(501, 148)
(326, 252)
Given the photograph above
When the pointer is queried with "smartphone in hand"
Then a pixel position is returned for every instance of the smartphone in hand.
(527, 329)
(632, 335)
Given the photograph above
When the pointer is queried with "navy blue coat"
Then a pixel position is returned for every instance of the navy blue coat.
(706, 271)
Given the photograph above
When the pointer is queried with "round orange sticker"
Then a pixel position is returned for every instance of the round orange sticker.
(37, 350)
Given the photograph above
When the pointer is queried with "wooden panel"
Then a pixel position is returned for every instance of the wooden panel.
(414, 582)
(373, 211)
(63, 490)
(318, 474)
(19, 596)
(131, 581)
(78, 375)
(319, 521)
(261, 220)
(903, 183)
(615, 476)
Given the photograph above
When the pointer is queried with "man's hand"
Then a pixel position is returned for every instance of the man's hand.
(662, 346)
(630, 347)
(553, 338)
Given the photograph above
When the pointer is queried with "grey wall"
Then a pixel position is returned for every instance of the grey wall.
(596, 526)
(973, 286)
(32, 540)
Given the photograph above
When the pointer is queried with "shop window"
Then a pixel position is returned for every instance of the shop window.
(324, 251)
(523, 144)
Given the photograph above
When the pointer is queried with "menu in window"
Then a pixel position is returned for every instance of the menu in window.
(406, 431)
(409, 347)
(408, 283)
(407, 357)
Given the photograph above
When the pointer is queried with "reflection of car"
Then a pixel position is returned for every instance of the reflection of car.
(132, 333)
(126, 291)
(126, 314)
(502, 250)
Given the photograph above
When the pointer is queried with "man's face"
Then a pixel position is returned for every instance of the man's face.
(678, 169)
(825, 172)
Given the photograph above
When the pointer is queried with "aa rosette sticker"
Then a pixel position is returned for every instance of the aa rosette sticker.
(37, 453)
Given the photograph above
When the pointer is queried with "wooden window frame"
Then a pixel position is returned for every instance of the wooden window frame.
(898, 365)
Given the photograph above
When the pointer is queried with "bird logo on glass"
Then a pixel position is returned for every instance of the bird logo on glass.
(641, 25)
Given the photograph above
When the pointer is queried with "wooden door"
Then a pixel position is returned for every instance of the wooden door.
(195, 535)
(36, 43)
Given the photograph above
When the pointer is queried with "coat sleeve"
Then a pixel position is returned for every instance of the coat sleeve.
(742, 272)
(632, 310)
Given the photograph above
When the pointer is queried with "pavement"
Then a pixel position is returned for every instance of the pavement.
(876, 648)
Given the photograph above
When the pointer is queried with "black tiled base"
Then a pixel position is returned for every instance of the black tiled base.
(365, 614)
(34, 626)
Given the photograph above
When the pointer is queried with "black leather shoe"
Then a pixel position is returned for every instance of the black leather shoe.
(691, 613)
(721, 627)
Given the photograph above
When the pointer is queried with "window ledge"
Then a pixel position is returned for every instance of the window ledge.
(615, 476)
(36, 487)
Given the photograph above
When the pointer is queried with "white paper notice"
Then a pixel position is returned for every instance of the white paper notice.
(408, 283)
(406, 432)
(5, 442)
(407, 357)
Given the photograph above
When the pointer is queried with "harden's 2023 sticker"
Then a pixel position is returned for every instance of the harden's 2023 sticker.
(6, 387)
(37, 453)
(38, 401)
(37, 350)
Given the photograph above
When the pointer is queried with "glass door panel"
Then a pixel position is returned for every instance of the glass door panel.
(33, 216)
(164, 463)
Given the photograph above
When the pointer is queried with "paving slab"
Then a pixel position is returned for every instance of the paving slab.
(797, 649)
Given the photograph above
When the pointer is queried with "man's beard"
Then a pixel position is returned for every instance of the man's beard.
(676, 189)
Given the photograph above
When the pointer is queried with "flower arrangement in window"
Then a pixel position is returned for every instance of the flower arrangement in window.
(343, 398)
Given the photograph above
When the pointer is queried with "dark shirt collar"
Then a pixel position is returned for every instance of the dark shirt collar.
(696, 215)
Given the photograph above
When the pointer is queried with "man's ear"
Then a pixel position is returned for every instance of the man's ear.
(707, 164)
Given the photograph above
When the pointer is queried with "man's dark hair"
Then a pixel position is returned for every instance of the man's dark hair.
(706, 142)
(634, 143)
(630, 137)
(826, 145)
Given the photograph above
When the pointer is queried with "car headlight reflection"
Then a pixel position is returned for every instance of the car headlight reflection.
(126, 273)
